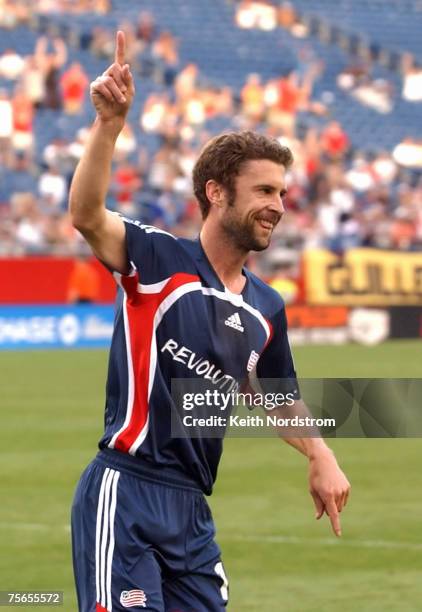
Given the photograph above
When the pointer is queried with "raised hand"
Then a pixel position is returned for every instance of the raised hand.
(112, 92)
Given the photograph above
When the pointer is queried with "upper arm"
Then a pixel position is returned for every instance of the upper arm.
(124, 244)
(276, 362)
(108, 242)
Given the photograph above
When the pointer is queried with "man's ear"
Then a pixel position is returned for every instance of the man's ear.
(215, 193)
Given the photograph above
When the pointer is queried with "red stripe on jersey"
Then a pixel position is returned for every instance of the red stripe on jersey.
(141, 310)
(130, 284)
(270, 337)
(99, 608)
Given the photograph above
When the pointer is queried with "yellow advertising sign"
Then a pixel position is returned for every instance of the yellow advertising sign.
(363, 277)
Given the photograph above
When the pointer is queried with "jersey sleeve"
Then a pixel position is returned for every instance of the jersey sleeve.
(150, 251)
(275, 368)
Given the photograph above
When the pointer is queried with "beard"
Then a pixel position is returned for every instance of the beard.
(243, 232)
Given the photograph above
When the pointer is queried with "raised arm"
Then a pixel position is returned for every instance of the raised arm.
(111, 94)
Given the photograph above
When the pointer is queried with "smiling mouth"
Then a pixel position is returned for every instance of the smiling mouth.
(266, 224)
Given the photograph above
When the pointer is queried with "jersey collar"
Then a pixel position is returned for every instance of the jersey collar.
(196, 250)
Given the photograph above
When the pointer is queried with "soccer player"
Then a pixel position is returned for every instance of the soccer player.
(143, 535)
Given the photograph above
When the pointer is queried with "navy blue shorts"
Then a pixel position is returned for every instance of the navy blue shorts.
(140, 544)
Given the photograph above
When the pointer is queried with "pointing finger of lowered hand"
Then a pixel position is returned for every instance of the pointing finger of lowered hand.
(331, 508)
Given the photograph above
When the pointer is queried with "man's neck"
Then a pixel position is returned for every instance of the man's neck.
(226, 259)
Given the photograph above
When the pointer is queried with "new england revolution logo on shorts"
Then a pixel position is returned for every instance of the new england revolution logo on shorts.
(133, 598)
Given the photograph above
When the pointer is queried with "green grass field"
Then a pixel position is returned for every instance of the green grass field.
(277, 556)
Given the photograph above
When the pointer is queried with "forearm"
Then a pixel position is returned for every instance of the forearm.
(310, 447)
(328, 485)
(306, 439)
(92, 176)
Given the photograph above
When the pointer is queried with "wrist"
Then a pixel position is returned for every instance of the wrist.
(317, 449)
(113, 126)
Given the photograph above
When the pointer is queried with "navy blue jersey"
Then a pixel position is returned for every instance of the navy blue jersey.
(175, 319)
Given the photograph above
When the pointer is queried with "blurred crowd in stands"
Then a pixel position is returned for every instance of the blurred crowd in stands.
(338, 197)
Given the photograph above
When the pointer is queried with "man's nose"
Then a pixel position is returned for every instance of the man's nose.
(278, 206)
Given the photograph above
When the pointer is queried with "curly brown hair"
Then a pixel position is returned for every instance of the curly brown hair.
(222, 159)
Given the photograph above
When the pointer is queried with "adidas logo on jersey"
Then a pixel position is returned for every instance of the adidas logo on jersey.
(234, 322)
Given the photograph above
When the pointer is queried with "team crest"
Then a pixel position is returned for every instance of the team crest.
(133, 598)
(252, 361)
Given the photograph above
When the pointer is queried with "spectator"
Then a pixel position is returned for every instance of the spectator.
(164, 169)
(361, 176)
(29, 223)
(50, 64)
(11, 65)
(52, 188)
(287, 15)
(223, 102)
(125, 183)
(412, 79)
(156, 113)
(76, 148)
(165, 51)
(6, 129)
(186, 83)
(256, 14)
(58, 234)
(287, 103)
(102, 42)
(146, 30)
(334, 141)
(125, 144)
(74, 83)
(9, 14)
(194, 110)
(253, 100)
(408, 153)
(384, 168)
(403, 233)
(8, 241)
(57, 153)
(33, 82)
(84, 282)
(53, 64)
(23, 140)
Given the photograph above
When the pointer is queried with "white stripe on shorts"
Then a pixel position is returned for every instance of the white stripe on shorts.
(104, 534)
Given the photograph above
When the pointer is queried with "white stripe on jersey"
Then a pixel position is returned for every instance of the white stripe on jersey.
(118, 277)
(106, 512)
(148, 229)
(233, 298)
(238, 301)
(154, 287)
(130, 376)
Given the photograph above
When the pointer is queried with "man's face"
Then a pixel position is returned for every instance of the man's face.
(257, 207)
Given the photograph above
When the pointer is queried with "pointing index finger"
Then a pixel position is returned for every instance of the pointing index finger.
(334, 516)
(119, 56)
